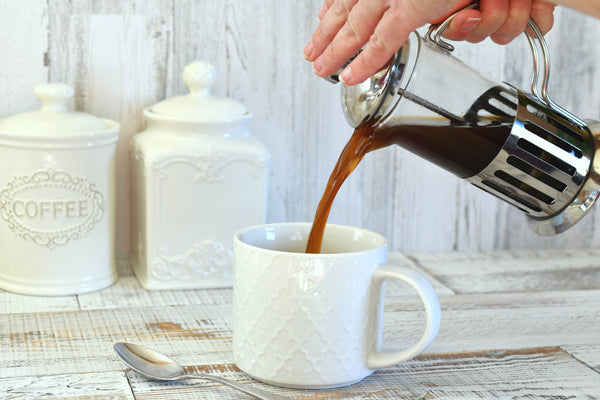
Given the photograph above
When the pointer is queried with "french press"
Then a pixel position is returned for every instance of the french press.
(530, 152)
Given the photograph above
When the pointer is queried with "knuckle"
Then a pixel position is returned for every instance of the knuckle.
(367, 63)
(515, 23)
(493, 15)
(321, 35)
(340, 8)
(347, 4)
(332, 53)
(377, 42)
(351, 30)
(395, 15)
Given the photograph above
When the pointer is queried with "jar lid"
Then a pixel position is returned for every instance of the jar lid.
(198, 104)
(54, 118)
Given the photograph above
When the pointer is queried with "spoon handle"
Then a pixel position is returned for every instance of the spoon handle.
(258, 393)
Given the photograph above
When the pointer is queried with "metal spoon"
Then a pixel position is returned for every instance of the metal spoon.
(159, 367)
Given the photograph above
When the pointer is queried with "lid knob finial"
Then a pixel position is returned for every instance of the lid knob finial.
(54, 96)
(200, 77)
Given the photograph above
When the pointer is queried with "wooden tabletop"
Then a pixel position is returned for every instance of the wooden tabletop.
(515, 325)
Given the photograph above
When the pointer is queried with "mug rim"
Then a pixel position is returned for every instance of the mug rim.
(380, 239)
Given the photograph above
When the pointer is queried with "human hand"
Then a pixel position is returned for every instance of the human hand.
(383, 26)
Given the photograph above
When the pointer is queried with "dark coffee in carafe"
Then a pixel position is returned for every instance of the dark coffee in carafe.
(463, 149)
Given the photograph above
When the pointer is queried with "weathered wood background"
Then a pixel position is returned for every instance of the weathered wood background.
(122, 56)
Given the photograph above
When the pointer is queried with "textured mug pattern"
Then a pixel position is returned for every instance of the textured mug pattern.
(305, 321)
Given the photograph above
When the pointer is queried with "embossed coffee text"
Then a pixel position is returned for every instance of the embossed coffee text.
(51, 209)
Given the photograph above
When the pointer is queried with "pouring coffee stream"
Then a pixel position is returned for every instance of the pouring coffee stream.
(521, 147)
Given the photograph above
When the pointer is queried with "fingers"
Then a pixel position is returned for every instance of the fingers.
(345, 26)
(463, 25)
(493, 15)
(334, 18)
(542, 13)
(326, 5)
(502, 20)
(515, 23)
(360, 24)
(383, 43)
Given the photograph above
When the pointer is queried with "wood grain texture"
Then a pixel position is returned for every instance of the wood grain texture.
(12, 303)
(128, 293)
(551, 373)
(496, 341)
(83, 386)
(496, 374)
(516, 271)
(587, 354)
(24, 37)
(202, 333)
(77, 342)
(123, 56)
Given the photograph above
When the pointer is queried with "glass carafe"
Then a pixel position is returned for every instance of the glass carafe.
(520, 146)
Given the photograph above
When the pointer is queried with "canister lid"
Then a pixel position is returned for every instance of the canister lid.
(199, 105)
(54, 118)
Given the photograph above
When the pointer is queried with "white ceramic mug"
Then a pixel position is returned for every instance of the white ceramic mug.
(315, 320)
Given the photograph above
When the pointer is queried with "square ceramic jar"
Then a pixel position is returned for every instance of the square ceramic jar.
(198, 176)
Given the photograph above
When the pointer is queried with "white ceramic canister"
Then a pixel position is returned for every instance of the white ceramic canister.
(198, 176)
(57, 198)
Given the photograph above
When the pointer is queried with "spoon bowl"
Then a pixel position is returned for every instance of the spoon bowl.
(157, 366)
(149, 363)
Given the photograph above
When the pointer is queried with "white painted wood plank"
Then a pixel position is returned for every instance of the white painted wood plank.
(14, 303)
(461, 363)
(499, 321)
(530, 373)
(197, 388)
(106, 385)
(128, 293)
(77, 342)
(200, 334)
(515, 271)
(24, 44)
(504, 374)
(589, 355)
(395, 288)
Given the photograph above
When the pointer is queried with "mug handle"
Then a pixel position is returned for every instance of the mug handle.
(432, 313)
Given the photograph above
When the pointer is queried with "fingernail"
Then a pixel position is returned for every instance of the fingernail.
(346, 75)
(470, 24)
(318, 64)
(308, 49)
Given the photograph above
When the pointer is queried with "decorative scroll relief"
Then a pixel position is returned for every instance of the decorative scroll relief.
(209, 165)
(206, 260)
(51, 207)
